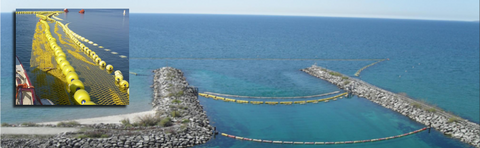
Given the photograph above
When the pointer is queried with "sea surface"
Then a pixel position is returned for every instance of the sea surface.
(433, 61)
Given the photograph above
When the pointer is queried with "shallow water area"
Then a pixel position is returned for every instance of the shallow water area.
(215, 53)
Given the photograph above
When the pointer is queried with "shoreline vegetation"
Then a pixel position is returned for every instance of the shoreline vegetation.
(177, 120)
(429, 115)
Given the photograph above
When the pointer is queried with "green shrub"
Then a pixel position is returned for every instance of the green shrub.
(183, 127)
(5, 124)
(344, 77)
(416, 105)
(176, 101)
(335, 73)
(82, 136)
(125, 122)
(68, 124)
(165, 122)
(323, 69)
(183, 107)
(175, 114)
(185, 121)
(148, 120)
(28, 124)
(179, 93)
(432, 110)
(346, 82)
(94, 134)
(453, 119)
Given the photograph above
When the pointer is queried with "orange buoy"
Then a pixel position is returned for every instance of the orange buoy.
(65, 10)
(81, 11)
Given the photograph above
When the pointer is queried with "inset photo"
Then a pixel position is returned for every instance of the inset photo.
(71, 56)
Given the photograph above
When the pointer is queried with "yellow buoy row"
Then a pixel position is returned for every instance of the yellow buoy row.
(363, 68)
(75, 86)
(43, 17)
(123, 84)
(324, 143)
(36, 12)
(94, 44)
(273, 102)
(57, 18)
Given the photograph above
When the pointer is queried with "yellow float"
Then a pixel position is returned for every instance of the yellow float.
(97, 60)
(102, 63)
(94, 56)
(67, 69)
(81, 97)
(109, 67)
(61, 55)
(118, 77)
(123, 84)
(71, 76)
(60, 59)
(63, 64)
(75, 85)
(58, 52)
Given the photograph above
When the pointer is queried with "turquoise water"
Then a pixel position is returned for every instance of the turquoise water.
(447, 76)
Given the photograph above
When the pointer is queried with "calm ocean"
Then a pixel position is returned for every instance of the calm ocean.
(438, 62)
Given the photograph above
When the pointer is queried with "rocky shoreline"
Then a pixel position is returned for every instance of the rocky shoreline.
(173, 99)
(449, 124)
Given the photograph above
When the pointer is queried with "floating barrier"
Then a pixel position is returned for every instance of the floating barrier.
(299, 102)
(363, 68)
(45, 44)
(256, 102)
(273, 102)
(229, 100)
(38, 12)
(81, 97)
(118, 75)
(321, 143)
(253, 97)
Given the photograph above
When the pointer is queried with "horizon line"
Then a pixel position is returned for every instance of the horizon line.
(300, 15)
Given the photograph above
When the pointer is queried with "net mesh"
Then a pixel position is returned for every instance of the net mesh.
(50, 81)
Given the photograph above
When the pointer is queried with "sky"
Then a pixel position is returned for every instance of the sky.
(463, 10)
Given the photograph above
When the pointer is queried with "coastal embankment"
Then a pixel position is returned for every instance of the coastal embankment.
(177, 120)
(447, 123)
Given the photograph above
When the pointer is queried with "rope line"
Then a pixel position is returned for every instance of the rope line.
(274, 102)
(254, 97)
(320, 143)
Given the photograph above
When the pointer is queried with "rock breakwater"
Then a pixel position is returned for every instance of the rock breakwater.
(173, 99)
(442, 121)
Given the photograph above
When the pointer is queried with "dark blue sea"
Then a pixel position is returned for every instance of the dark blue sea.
(433, 61)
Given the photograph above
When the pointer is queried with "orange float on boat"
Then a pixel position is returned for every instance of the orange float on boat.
(81, 11)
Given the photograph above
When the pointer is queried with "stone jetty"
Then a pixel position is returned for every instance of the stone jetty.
(449, 124)
(173, 99)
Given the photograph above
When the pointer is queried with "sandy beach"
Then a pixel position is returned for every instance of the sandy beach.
(114, 119)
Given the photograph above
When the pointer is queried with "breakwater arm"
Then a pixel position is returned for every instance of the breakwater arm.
(179, 121)
(177, 100)
(428, 115)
